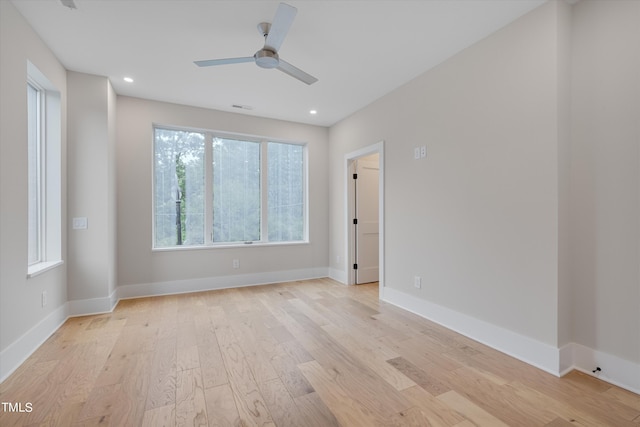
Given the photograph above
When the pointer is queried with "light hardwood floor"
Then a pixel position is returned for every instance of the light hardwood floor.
(311, 353)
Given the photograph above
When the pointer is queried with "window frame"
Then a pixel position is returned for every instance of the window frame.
(210, 214)
(40, 173)
(210, 135)
(49, 174)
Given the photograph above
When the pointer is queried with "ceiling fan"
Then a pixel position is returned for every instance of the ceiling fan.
(268, 57)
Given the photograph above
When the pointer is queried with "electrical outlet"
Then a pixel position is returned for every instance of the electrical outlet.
(44, 298)
(337, 259)
(417, 282)
(423, 151)
(236, 263)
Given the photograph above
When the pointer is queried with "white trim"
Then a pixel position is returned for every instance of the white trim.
(533, 352)
(42, 267)
(556, 361)
(614, 370)
(338, 275)
(19, 350)
(229, 246)
(565, 360)
(219, 282)
(86, 307)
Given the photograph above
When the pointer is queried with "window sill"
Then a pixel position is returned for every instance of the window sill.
(42, 267)
(229, 246)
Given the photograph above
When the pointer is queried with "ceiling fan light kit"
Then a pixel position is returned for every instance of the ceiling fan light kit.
(268, 57)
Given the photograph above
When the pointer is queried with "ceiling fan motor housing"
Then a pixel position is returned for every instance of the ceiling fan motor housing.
(266, 58)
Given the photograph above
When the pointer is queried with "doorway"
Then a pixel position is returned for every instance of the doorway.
(365, 225)
(364, 215)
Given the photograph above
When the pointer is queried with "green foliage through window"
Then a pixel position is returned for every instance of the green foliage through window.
(179, 188)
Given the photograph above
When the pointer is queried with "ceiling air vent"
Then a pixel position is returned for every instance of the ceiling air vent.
(242, 107)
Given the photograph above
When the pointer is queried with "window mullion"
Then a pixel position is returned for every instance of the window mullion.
(264, 192)
(208, 188)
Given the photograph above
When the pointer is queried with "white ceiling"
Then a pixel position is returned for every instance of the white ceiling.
(359, 49)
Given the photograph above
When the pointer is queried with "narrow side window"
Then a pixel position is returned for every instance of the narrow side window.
(35, 174)
(44, 173)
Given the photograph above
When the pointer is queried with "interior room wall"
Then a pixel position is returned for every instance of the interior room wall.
(477, 218)
(91, 171)
(112, 204)
(524, 217)
(24, 322)
(141, 270)
(564, 26)
(605, 180)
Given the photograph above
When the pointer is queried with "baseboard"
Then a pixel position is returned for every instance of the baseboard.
(533, 352)
(220, 282)
(613, 369)
(87, 307)
(19, 350)
(338, 275)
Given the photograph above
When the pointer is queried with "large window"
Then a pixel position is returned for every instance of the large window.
(214, 189)
(44, 182)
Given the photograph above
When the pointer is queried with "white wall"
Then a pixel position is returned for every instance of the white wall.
(24, 323)
(564, 26)
(112, 204)
(141, 271)
(605, 178)
(91, 173)
(524, 220)
(477, 219)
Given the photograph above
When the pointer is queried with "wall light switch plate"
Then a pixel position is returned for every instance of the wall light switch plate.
(80, 223)
(416, 153)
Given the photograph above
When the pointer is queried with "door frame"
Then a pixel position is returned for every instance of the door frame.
(349, 203)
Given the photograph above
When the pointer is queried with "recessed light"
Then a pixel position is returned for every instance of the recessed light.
(313, 112)
(128, 79)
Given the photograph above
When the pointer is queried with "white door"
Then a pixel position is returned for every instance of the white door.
(366, 219)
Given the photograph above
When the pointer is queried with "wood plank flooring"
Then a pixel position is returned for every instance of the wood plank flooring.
(309, 353)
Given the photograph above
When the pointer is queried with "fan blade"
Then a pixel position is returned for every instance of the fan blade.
(210, 62)
(287, 68)
(280, 26)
